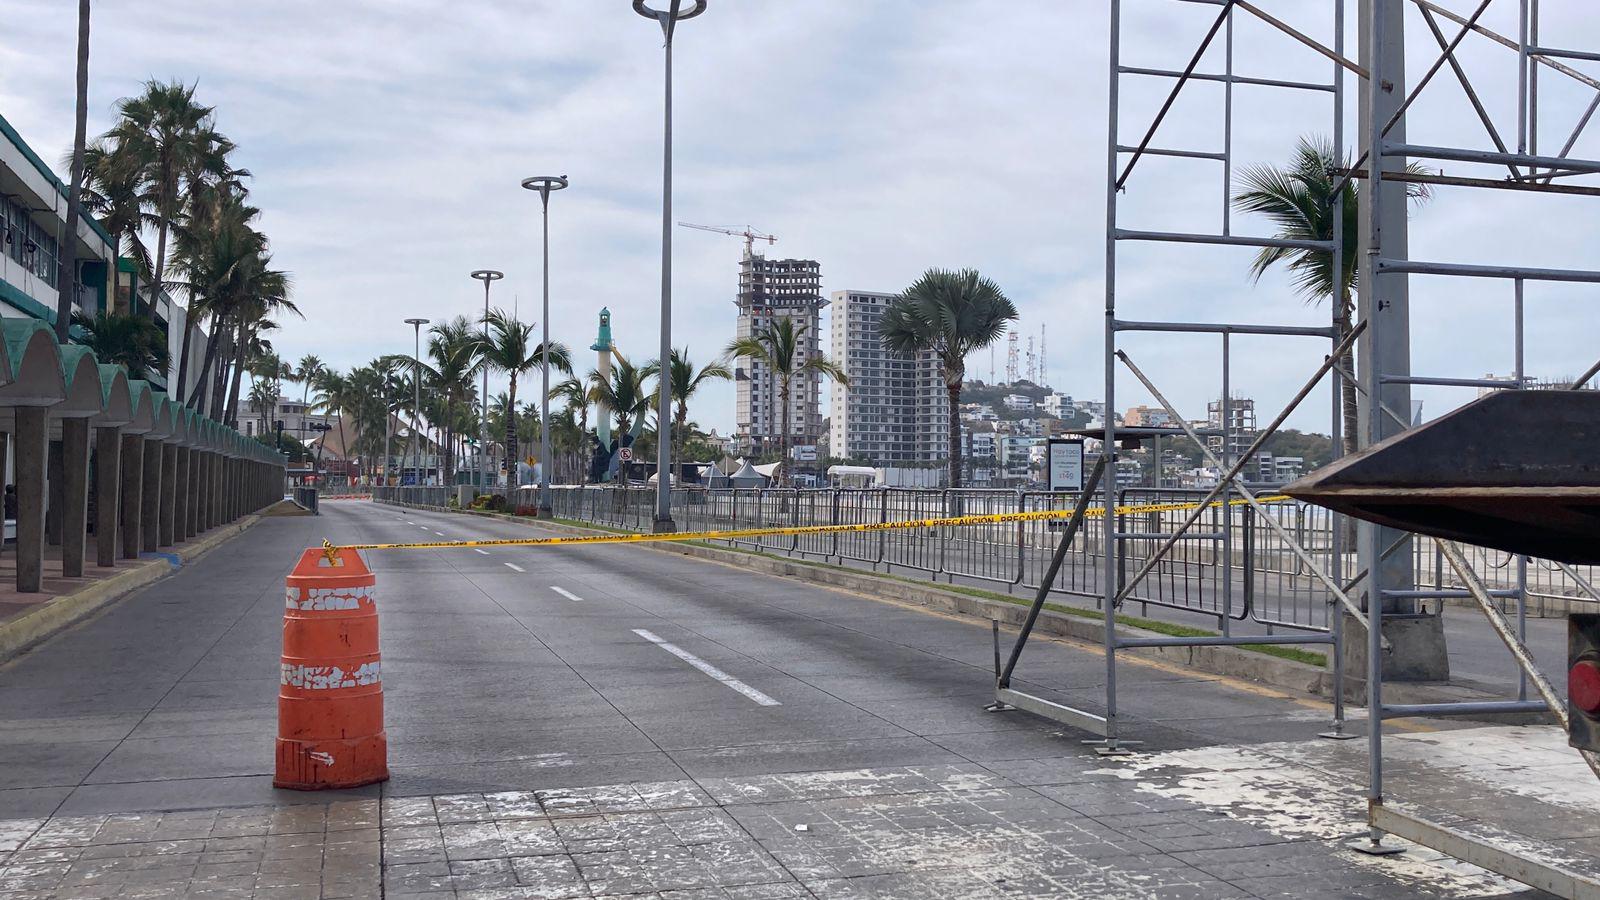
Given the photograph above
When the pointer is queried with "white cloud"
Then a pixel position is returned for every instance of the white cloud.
(387, 139)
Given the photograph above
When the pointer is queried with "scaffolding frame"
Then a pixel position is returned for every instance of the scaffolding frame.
(1385, 373)
(1231, 463)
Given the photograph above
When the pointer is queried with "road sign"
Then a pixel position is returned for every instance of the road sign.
(625, 454)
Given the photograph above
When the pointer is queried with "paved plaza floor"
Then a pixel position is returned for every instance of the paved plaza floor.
(611, 721)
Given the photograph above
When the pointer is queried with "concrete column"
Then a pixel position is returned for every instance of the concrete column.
(107, 478)
(216, 489)
(75, 494)
(132, 493)
(169, 493)
(32, 441)
(150, 496)
(183, 521)
(202, 510)
(57, 497)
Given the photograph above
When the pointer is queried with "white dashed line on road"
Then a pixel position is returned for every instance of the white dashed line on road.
(567, 594)
(707, 668)
(515, 568)
(439, 533)
(476, 550)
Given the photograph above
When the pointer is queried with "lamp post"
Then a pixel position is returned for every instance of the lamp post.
(668, 20)
(544, 184)
(416, 401)
(488, 277)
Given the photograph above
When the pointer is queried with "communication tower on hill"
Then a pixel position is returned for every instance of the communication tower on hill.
(1011, 358)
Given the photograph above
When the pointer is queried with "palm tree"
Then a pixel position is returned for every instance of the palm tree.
(305, 372)
(453, 347)
(333, 396)
(172, 138)
(220, 256)
(779, 347)
(267, 374)
(111, 194)
(67, 277)
(575, 393)
(684, 380)
(133, 341)
(949, 314)
(509, 348)
(1299, 200)
(624, 393)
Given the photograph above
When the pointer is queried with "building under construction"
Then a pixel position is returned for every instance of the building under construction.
(772, 289)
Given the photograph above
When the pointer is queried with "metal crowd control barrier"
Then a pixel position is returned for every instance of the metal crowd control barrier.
(1271, 588)
(306, 498)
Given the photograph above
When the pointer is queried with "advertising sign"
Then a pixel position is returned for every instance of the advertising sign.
(1064, 464)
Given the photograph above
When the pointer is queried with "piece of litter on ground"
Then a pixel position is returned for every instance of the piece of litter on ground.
(802, 828)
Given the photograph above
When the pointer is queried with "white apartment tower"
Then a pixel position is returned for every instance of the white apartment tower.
(772, 289)
(896, 408)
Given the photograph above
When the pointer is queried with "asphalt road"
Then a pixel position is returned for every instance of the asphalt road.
(495, 676)
(586, 721)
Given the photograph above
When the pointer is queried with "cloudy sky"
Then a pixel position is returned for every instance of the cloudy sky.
(881, 137)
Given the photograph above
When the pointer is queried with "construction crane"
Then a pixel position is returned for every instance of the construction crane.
(749, 234)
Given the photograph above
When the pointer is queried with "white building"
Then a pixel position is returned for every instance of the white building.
(769, 290)
(1016, 455)
(895, 409)
(1019, 402)
(293, 411)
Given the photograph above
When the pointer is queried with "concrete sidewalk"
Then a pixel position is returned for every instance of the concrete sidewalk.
(589, 721)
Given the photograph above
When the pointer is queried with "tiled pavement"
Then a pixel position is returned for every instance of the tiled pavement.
(903, 832)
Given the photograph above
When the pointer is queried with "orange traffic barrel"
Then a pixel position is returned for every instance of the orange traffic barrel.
(330, 695)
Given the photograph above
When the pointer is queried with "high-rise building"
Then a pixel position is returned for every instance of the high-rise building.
(896, 408)
(772, 289)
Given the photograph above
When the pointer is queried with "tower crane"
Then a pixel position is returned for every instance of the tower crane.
(749, 234)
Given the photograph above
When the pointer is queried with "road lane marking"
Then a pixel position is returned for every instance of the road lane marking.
(706, 667)
(567, 594)
(515, 567)
(484, 552)
(439, 533)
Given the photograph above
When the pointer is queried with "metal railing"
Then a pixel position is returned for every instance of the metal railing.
(1235, 567)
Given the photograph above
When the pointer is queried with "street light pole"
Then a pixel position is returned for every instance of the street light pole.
(668, 19)
(544, 184)
(488, 277)
(416, 402)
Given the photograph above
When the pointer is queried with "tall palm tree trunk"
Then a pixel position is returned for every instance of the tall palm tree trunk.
(67, 277)
(197, 397)
(232, 413)
(511, 456)
(954, 392)
(783, 432)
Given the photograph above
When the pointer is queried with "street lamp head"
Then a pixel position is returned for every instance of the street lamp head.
(661, 15)
(544, 184)
(417, 322)
(488, 275)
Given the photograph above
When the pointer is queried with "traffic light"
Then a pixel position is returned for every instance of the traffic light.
(1583, 681)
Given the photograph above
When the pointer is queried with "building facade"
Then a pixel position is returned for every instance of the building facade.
(33, 231)
(769, 290)
(895, 408)
(33, 225)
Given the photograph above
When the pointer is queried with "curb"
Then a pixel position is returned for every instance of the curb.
(62, 612)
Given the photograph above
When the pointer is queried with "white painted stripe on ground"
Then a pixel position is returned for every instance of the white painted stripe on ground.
(567, 594)
(476, 550)
(706, 667)
(439, 533)
(514, 567)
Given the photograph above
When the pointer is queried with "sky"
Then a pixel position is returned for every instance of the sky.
(387, 140)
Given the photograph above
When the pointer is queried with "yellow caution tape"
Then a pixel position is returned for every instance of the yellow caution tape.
(780, 530)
